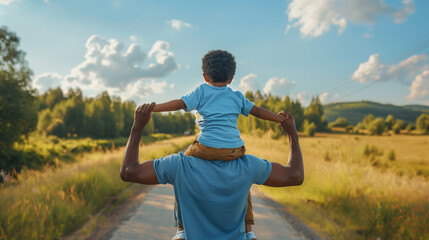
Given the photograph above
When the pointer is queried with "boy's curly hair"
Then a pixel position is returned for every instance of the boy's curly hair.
(219, 65)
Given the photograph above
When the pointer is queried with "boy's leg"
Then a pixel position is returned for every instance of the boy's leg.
(249, 219)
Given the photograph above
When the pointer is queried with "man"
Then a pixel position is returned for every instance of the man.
(212, 194)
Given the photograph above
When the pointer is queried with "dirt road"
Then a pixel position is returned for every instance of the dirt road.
(151, 217)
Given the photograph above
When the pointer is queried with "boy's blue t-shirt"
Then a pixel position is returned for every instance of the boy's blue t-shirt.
(218, 109)
(212, 195)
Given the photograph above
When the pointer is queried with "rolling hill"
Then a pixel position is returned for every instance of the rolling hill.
(354, 112)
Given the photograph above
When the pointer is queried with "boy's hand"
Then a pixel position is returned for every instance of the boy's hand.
(142, 116)
(288, 125)
(282, 118)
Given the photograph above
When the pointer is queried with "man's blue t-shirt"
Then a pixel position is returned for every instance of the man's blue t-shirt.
(218, 109)
(212, 195)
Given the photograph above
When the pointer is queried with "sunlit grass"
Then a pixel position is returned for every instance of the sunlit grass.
(51, 203)
(345, 195)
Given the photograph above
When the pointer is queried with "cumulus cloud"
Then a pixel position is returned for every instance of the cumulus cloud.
(109, 65)
(7, 2)
(178, 24)
(141, 89)
(328, 97)
(278, 86)
(419, 88)
(47, 80)
(372, 70)
(249, 83)
(405, 71)
(413, 71)
(315, 17)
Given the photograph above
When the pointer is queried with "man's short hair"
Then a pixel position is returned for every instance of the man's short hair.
(219, 65)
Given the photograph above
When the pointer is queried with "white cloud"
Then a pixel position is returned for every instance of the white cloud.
(419, 88)
(46, 1)
(47, 80)
(133, 38)
(370, 70)
(7, 2)
(178, 24)
(140, 89)
(328, 97)
(109, 65)
(249, 83)
(413, 71)
(278, 86)
(405, 71)
(315, 17)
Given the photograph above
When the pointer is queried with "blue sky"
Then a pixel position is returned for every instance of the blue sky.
(341, 50)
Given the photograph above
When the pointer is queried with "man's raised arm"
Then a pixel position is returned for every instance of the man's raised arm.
(131, 170)
(293, 173)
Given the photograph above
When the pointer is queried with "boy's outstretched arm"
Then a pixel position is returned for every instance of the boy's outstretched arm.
(172, 105)
(265, 114)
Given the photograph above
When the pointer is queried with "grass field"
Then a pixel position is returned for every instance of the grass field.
(357, 187)
(38, 150)
(51, 203)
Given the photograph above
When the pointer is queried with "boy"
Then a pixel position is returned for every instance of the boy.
(218, 108)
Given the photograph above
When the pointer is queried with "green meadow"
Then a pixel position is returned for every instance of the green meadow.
(356, 186)
(54, 201)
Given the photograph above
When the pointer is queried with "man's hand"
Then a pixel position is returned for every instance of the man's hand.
(142, 116)
(282, 118)
(288, 125)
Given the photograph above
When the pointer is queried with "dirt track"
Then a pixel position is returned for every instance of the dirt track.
(149, 215)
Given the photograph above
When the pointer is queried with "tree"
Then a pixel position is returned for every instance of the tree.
(314, 114)
(390, 121)
(398, 126)
(376, 127)
(18, 109)
(422, 123)
(309, 128)
(367, 120)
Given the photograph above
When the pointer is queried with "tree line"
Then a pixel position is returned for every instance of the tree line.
(377, 126)
(72, 115)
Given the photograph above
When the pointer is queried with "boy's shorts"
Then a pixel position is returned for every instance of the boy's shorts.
(223, 154)
(209, 153)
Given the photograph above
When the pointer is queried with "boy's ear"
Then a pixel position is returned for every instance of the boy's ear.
(206, 77)
(230, 80)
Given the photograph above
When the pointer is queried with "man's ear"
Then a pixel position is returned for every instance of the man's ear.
(206, 77)
(230, 80)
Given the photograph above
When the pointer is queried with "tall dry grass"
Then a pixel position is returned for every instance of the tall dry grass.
(345, 195)
(51, 203)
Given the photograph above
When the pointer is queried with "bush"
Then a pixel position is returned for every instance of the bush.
(422, 123)
(57, 128)
(371, 152)
(398, 126)
(309, 128)
(349, 128)
(376, 127)
(391, 155)
(340, 122)
(410, 127)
